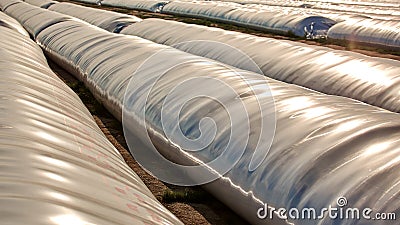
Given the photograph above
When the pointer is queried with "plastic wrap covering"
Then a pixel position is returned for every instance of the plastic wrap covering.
(324, 146)
(365, 2)
(372, 9)
(148, 5)
(6, 21)
(298, 24)
(311, 3)
(5, 3)
(212, 10)
(90, 1)
(369, 10)
(107, 87)
(41, 3)
(33, 18)
(334, 15)
(108, 20)
(57, 167)
(375, 81)
(373, 32)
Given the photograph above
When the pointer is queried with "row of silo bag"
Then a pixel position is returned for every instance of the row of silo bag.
(108, 20)
(376, 10)
(377, 32)
(270, 20)
(375, 81)
(371, 32)
(41, 3)
(371, 80)
(324, 146)
(57, 167)
(6, 21)
(377, 27)
(357, 24)
(293, 23)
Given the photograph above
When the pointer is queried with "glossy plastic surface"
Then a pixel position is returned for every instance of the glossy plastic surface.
(375, 9)
(375, 81)
(6, 21)
(108, 20)
(147, 5)
(34, 18)
(324, 147)
(5, 3)
(281, 21)
(41, 3)
(374, 32)
(57, 167)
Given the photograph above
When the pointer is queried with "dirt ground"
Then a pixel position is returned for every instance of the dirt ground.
(192, 205)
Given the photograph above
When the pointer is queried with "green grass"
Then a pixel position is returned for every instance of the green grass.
(86, 96)
(185, 195)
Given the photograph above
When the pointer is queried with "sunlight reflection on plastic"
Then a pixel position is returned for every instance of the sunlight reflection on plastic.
(190, 127)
